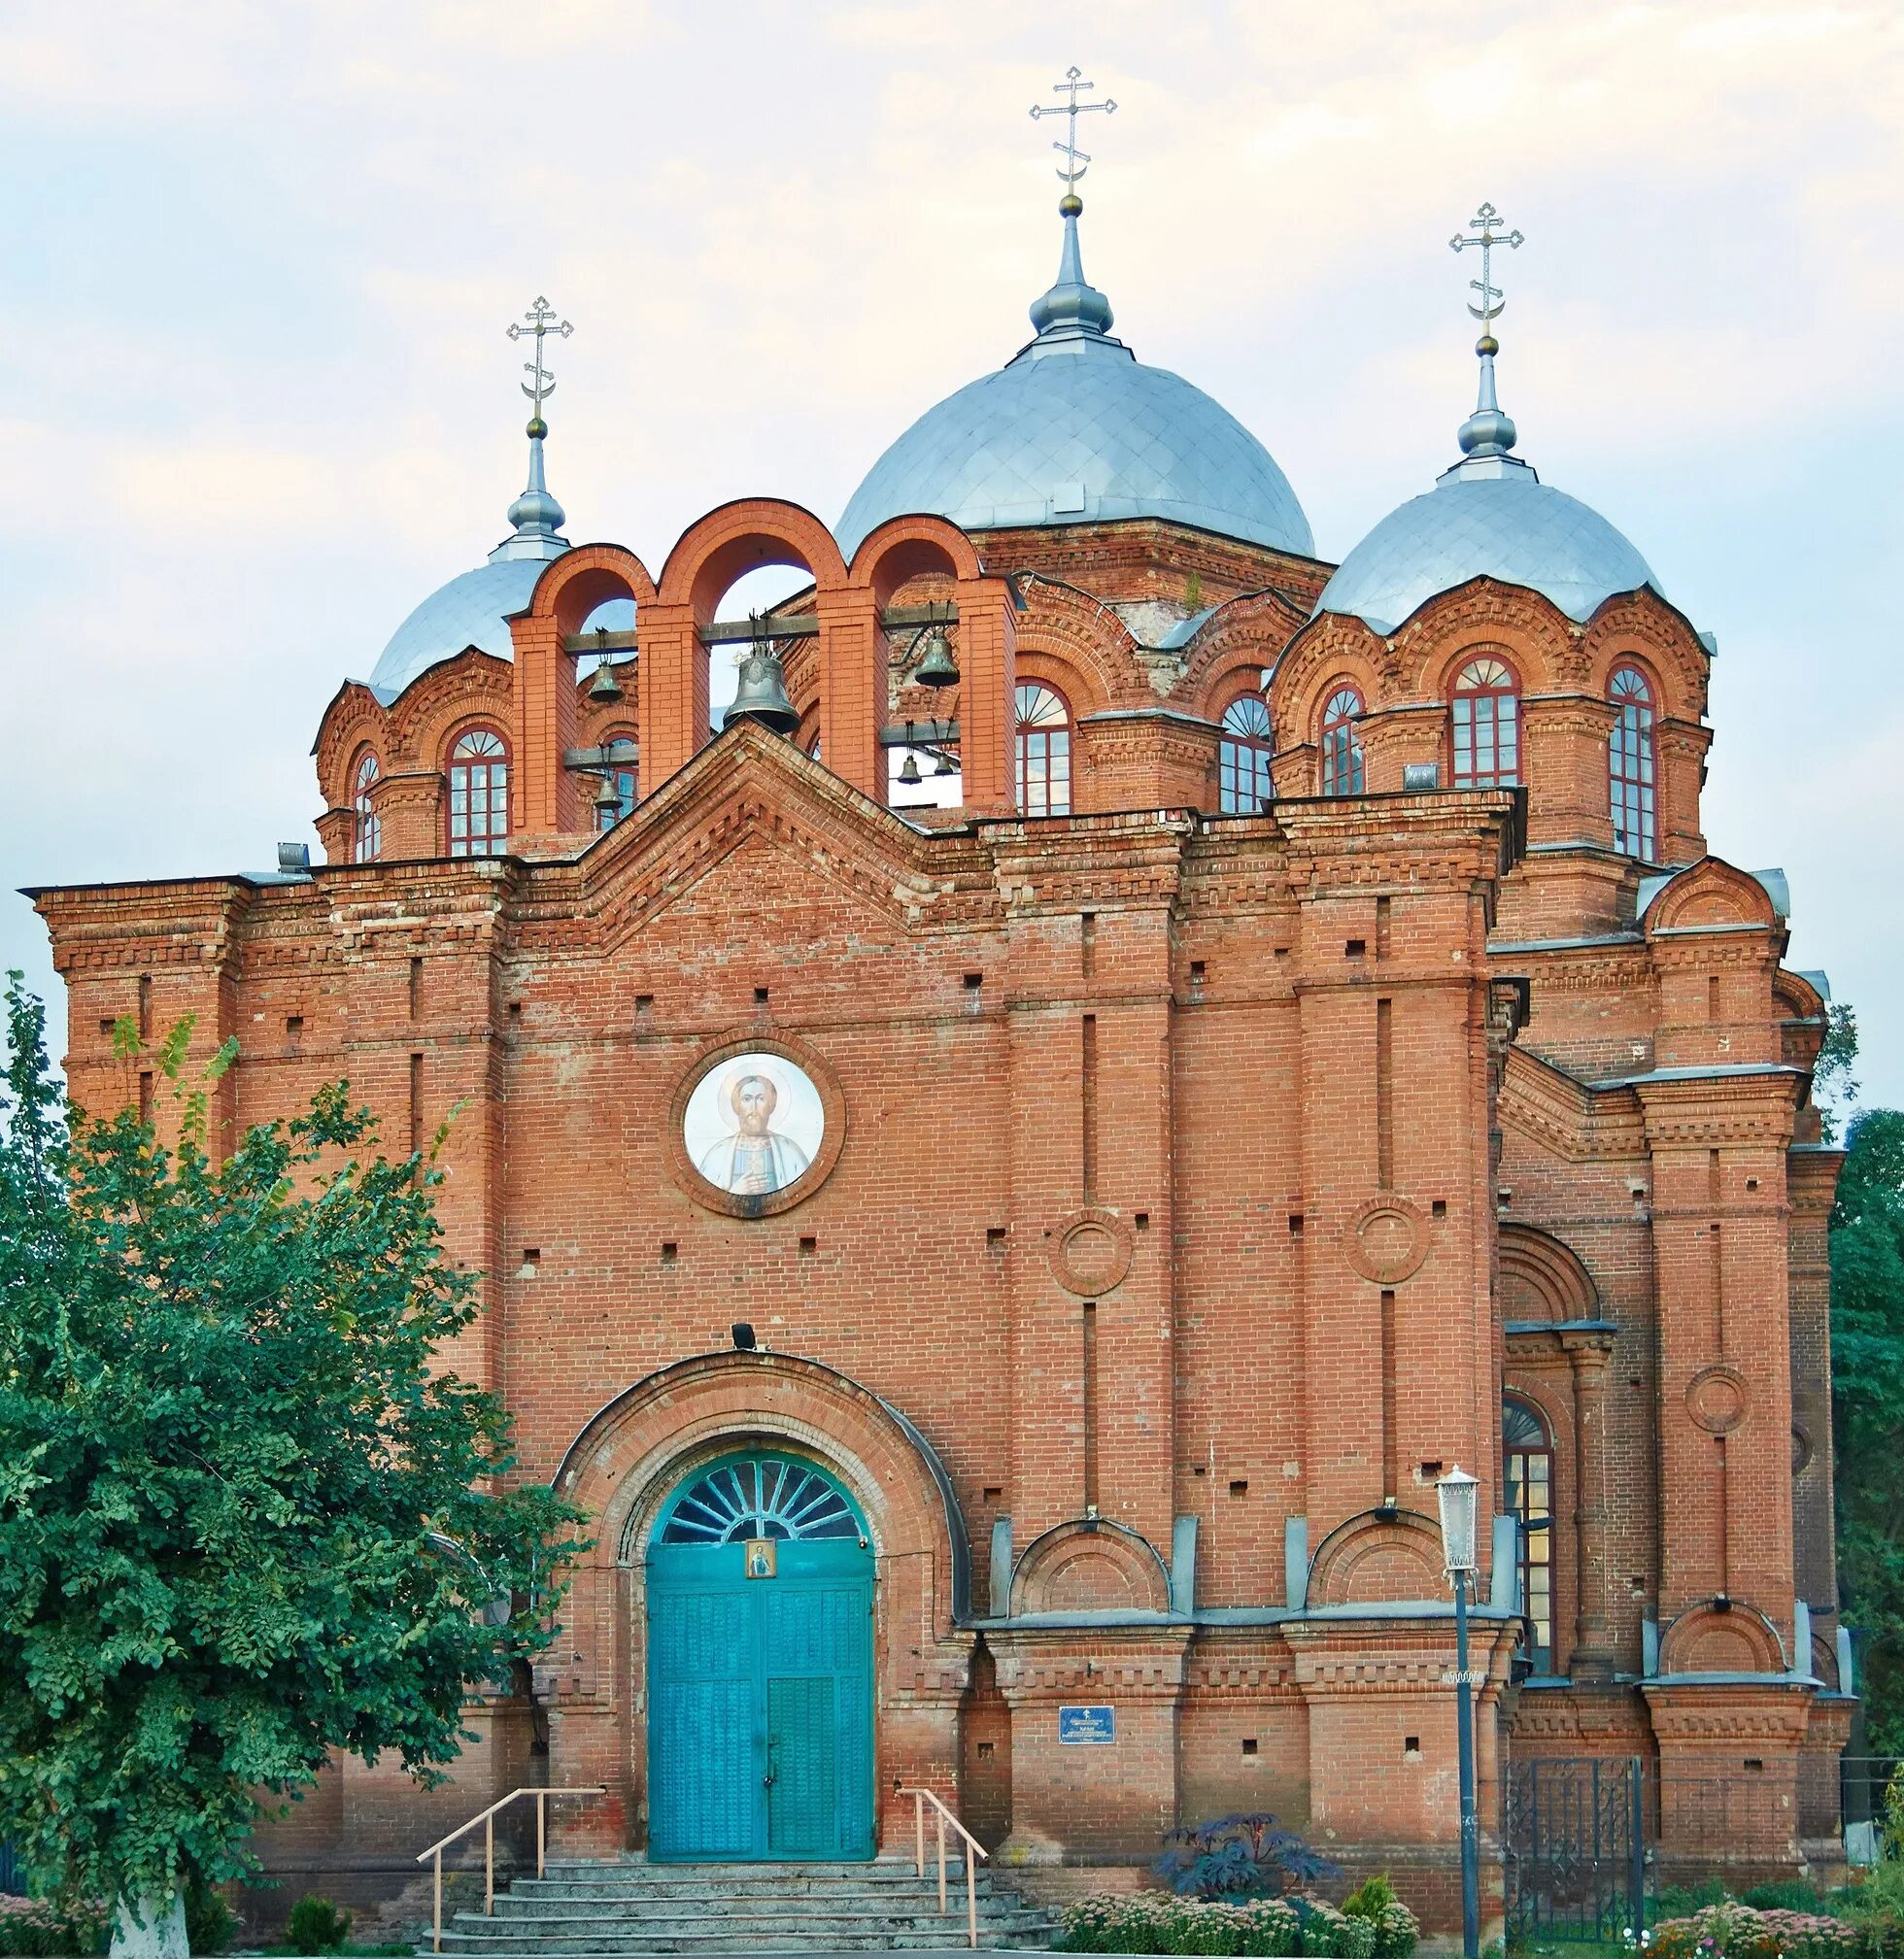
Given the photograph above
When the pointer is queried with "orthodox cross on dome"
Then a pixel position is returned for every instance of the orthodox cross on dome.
(541, 318)
(1482, 232)
(1487, 434)
(537, 516)
(1076, 161)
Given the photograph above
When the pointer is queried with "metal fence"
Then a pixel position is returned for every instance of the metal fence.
(1574, 1839)
(12, 1883)
(1591, 1844)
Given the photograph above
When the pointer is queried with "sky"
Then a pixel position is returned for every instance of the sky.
(256, 263)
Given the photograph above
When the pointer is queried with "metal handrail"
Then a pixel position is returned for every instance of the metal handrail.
(486, 1817)
(973, 1847)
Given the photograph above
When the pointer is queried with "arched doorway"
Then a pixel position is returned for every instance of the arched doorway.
(760, 1665)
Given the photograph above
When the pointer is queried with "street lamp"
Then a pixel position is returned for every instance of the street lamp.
(1458, 1495)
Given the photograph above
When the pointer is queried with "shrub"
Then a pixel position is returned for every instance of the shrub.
(1397, 1929)
(1238, 1857)
(1734, 1930)
(316, 1925)
(40, 1929)
(1788, 1894)
(1156, 1922)
(1334, 1934)
(209, 1919)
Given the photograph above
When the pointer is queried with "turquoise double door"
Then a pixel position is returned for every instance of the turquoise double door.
(759, 1667)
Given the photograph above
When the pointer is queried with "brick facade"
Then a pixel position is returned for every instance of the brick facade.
(1201, 1183)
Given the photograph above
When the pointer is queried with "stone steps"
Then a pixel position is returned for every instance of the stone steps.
(627, 1907)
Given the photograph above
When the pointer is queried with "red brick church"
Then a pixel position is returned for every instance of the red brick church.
(1007, 1168)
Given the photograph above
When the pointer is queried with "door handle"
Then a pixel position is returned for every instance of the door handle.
(766, 1780)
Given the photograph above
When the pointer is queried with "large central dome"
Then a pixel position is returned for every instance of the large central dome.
(1076, 429)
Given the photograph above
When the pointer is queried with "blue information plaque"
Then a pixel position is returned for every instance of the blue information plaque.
(1087, 1727)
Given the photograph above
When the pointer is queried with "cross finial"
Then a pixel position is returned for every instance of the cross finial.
(1076, 161)
(541, 318)
(1483, 232)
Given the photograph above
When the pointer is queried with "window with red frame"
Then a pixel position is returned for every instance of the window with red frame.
(1044, 742)
(1487, 726)
(479, 794)
(1632, 766)
(1342, 753)
(369, 839)
(1243, 784)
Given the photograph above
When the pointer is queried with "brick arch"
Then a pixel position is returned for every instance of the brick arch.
(1658, 637)
(739, 537)
(1480, 619)
(633, 1453)
(905, 548)
(1249, 632)
(1722, 1637)
(1712, 891)
(1386, 1557)
(580, 580)
(473, 686)
(355, 719)
(1538, 1269)
(1065, 627)
(1091, 1566)
(626, 1457)
(1333, 642)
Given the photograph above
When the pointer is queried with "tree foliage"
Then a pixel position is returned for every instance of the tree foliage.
(245, 1518)
(1867, 1357)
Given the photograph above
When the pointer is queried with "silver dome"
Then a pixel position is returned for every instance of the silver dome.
(1075, 428)
(1488, 517)
(474, 609)
(469, 611)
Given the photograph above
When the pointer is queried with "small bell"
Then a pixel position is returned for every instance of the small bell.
(604, 686)
(937, 667)
(762, 695)
(946, 766)
(607, 798)
(909, 768)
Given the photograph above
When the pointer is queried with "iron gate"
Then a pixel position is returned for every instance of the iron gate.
(1576, 1847)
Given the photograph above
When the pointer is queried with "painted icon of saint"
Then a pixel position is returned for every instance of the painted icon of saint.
(757, 1157)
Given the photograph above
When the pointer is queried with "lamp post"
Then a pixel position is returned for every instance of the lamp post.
(1458, 1493)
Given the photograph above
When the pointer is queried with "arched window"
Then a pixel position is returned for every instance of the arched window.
(1487, 720)
(479, 794)
(1043, 751)
(369, 839)
(1527, 1484)
(1630, 765)
(1342, 753)
(1242, 756)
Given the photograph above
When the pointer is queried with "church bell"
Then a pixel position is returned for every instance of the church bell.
(606, 795)
(762, 695)
(604, 686)
(937, 668)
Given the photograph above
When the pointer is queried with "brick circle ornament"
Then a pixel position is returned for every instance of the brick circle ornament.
(756, 1124)
(1716, 1398)
(1386, 1239)
(1090, 1251)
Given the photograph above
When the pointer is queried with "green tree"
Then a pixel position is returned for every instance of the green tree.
(245, 1519)
(1867, 1359)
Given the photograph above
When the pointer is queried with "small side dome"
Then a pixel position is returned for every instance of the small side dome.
(1074, 430)
(1512, 528)
(1488, 517)
(475, 608)
(472, 610)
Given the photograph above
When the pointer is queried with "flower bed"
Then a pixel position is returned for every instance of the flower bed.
(1259, 1928)
(39, 1929)
(1739, 1932)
